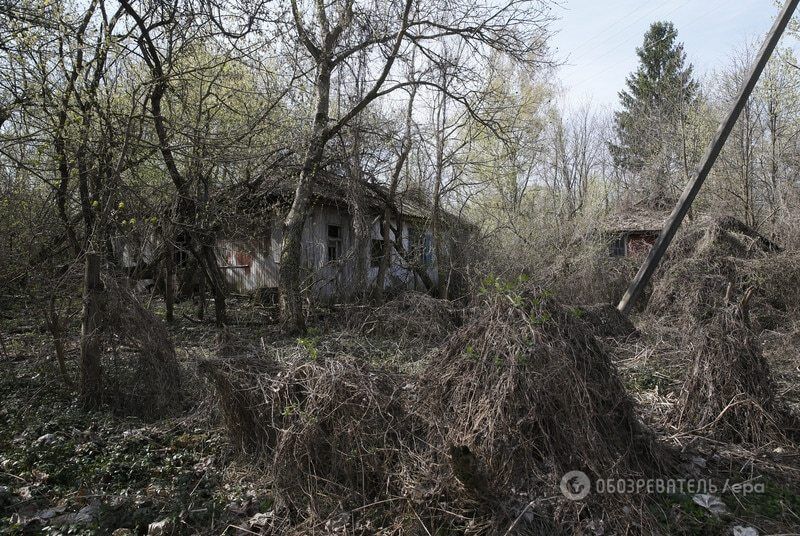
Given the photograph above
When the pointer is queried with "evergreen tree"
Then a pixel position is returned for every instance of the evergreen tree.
(654, 107)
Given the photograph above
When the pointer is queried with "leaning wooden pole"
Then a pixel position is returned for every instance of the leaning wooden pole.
(691, 190)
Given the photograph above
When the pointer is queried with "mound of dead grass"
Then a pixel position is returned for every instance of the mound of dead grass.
(523, 394)
(718, 254)
(408, 317)
(342, 429)
(142, 373)
(730, 393)
(330, 430)
(239, 384)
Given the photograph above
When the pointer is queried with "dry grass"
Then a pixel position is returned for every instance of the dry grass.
(330, 430)
(142, 372)
(411, 316)
(604, 320)
(730, 393)
(523, 394)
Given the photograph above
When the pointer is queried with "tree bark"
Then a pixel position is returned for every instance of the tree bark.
(169, 276)
(291, 301)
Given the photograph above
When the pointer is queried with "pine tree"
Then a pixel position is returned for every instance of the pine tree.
(654, 106)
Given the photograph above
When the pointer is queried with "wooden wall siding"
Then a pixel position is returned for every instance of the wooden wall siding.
(247, 264)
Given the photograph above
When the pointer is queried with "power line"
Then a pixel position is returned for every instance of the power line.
(629, 26)
(591, 40)
(698, 19)
(626, 40)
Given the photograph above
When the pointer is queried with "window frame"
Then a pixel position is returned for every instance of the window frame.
(375, 258)
(618, 247)
(334, 243)
(420, 246)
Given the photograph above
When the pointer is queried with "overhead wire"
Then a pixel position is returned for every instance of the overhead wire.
(698, 19)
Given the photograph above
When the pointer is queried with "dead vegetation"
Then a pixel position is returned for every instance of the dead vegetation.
(729, 393)
(330, 429)
(723, 285)
(715, 254)
(604, 320)
(410, 316)
(237, 388)
(142, 373)
(468, 445)
(510, 389)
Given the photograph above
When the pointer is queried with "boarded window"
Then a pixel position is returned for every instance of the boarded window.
(617, 248)
(334, 242)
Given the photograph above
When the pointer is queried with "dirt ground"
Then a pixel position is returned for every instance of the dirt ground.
(65, 472)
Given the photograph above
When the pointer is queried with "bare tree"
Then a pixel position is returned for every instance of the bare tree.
(333, 33)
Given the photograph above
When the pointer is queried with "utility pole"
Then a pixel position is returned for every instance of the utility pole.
(691, 190)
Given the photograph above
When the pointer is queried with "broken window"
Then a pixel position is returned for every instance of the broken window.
(618, 248)
(334, 242)
(419, 247)
(376, 252)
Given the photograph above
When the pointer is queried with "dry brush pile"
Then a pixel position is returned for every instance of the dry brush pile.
(330, 429)
(717, 253)
(525, 392)
(139, 371)
(722, 286)
(412, 316)
(729, 393)
(514, 399)
(142, 372)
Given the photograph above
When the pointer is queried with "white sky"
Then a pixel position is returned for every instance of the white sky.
(597, 39)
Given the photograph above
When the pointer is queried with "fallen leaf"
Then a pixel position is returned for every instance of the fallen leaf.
(711, 503)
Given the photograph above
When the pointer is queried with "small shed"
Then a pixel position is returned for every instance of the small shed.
(633, 231)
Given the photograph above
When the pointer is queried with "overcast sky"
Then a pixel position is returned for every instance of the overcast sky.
(598, 38)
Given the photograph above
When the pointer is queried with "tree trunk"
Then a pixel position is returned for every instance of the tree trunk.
(289, 278)
(442, 278)
(56, 329)
(441, 139)
(362, 235)
(217, 282)
(91, 389)
(386, 254)
(201, 298)
(169, 275)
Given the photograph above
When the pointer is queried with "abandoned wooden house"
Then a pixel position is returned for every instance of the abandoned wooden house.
(633, 231)
(249, 244)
